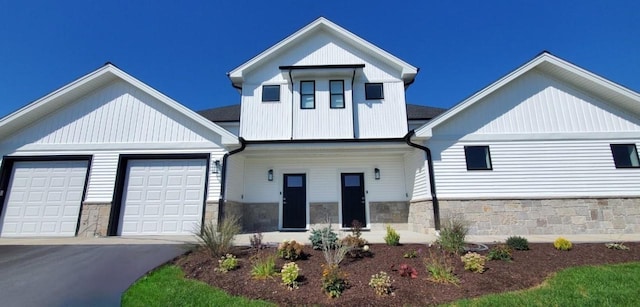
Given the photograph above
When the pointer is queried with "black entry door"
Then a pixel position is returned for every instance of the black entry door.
(353, 201)
(294, 201)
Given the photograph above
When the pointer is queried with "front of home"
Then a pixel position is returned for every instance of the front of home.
(323, 134)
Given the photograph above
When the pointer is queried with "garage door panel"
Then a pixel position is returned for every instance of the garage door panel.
(172, 200)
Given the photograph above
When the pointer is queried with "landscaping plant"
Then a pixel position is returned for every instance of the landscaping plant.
(408, 271)
(355, 241)
(474, 262)
(256, 241)
(440, 269)
(392, 237)
(562, 244)
(500, 252)
(318, 236)
(290, 273)
(381, 283)
(334, 281)
(410, 254)
(452, 235)
(290, 250)
(518, 243)
(227, 263)
(264, 266)
(617, 245)
(219, 241)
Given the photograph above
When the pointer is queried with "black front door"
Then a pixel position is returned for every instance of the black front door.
(294, 201)
(353, 202)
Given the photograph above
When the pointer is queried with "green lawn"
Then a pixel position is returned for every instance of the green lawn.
(607, 285)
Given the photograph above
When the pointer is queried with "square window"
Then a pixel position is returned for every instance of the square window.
(307, 94)
(373, 91)
(625, 155)
(478, 157)
(271, 93)
(336, 87)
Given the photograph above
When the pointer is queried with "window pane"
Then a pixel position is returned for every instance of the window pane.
(351, 180)
(337, 87)
(477, 157)
(307, 87)
(294, 181)
(373, 91)
(271, 93)
(625, 155)
(307, 102)
(337, 101)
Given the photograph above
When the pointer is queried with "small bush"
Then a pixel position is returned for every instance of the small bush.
(562, 244)
(290, 273)
(264, 266)
(408, 271)
(518, 243)
(227, 263)
(333, 255)
(290, 250)
(452, 235)
(219, 241)
(440, 269)
(410, 254)
(355, 241)
(256, 241)
(381, 283)
(500, 252)
(334, 281)
(318, 236)
(392, 237)
(617, 245)
(474, 262)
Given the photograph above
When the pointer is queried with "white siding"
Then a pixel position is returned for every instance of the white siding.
(102, 177)
(416, 171)
(323, 122)
(235, 178)
(265, 120)
(385, 118)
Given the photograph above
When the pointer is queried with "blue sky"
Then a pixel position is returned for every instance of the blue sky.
(185, 48)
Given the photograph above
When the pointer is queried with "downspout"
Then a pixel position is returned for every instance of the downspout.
(292, 101)
(353, 105)
(223, 178)
(432, 179)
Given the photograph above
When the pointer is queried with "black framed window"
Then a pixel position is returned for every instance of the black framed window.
(336, 87)
(271, 93)
(373, 91)
(307, 94)
(625, 155)
(478, 157)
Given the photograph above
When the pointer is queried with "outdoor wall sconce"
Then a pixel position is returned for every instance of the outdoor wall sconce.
(376, 173)
(270, 175)
(216, 167)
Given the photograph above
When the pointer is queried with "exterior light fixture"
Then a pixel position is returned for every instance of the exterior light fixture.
(216, 167)
(270, 175)
(376, 173)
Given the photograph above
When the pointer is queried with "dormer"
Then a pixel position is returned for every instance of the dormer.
(323, 82)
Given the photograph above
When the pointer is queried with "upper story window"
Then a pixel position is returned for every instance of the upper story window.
(337, 94)
(625, 155)
(307, 94)
(373, 91)
(478, 157)
(271, 93)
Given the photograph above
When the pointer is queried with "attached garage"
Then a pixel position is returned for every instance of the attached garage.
(162, 196)
(43, 198)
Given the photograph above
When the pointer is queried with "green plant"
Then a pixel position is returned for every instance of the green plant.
(381, 283)
(440, 269)
(474, 262)
(562, 244)
(335, 253)
(500, 252)
(617, 245)
(219, 241)
(289, 274)
(452, 235)
(334, 281)
(256, 241)
(406, 270)
(410, 254)
(290, 250)
(227, 263)
(518, 243)
(318, 236)
(392, 237)
(264, 266)
(355, 241)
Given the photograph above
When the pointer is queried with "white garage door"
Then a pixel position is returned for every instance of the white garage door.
(163, 197)
(43, 199)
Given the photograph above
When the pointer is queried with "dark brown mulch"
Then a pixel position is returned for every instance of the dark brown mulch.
(528, 269)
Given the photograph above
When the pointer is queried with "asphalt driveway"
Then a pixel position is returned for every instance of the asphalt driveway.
(75, 275)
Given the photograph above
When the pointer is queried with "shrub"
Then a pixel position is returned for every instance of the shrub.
(355, 241)
(219, 241)
(290, 250)
(562, 244)
(518, 243)
(381, 283)
(408, 271)
(256, 241)
(617, 245)
(334, 281)
(410, 254)
(334, 253)
(474, 262)
(452, 235)
(227, 263)
(264, 266)
(318, 236)
(392, 237)
(290, 273)
(440, 269)
(500, 252)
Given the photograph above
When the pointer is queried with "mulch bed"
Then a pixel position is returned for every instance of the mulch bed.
(528, 269)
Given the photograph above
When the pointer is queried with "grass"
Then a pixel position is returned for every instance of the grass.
(168, 287)
(606, 285)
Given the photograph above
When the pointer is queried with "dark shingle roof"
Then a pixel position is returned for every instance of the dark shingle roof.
(232, 113)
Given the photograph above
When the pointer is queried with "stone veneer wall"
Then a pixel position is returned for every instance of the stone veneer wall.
(321, 214)
(94, 219)
(421, 217)
(547, 216)
(394, 213)
(211, 212)
(257, 217)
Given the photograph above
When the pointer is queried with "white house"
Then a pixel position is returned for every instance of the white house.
(323, 134)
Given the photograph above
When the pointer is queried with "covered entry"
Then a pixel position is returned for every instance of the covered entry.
(294, 201)
(353, 199)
